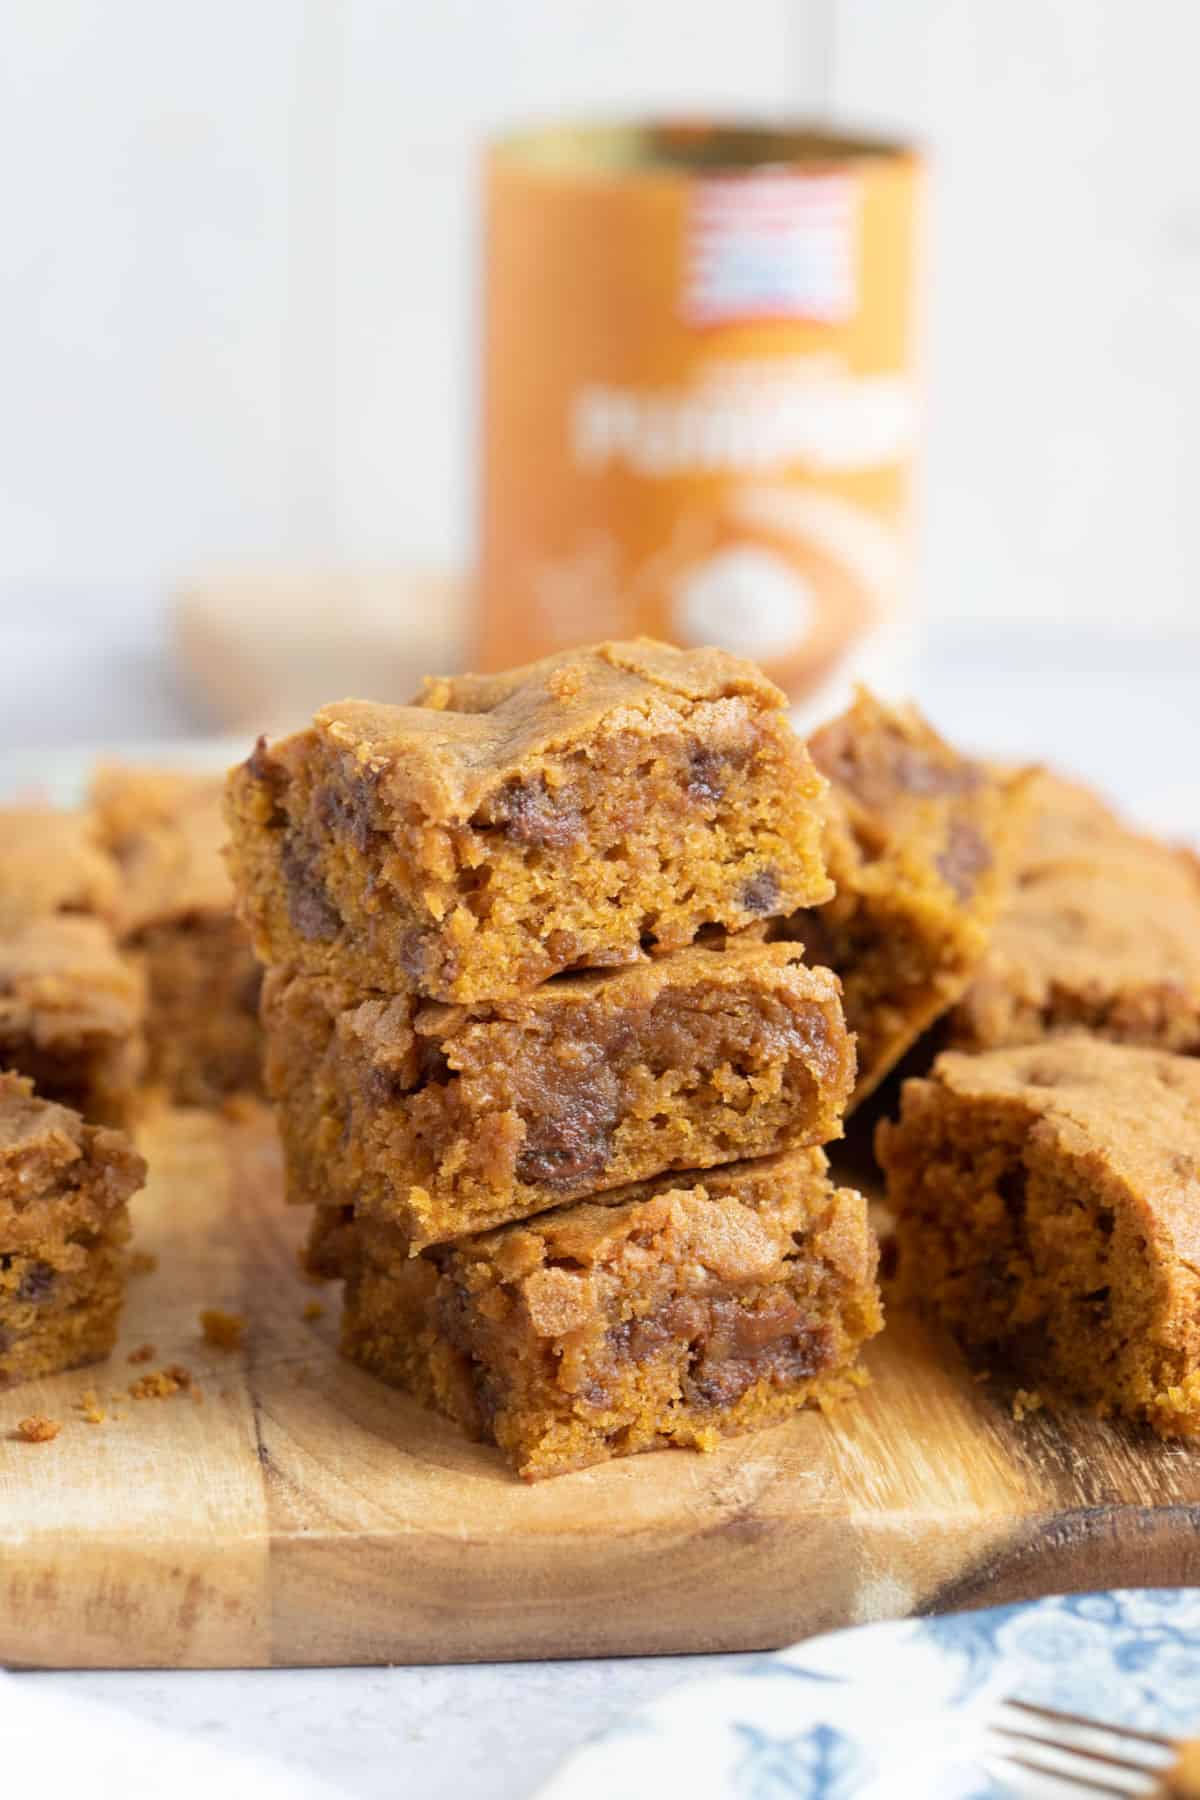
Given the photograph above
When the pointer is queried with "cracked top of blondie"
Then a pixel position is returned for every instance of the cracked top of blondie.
(1127, 1112)
(464, 735)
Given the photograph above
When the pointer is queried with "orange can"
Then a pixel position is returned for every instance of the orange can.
(699, 406)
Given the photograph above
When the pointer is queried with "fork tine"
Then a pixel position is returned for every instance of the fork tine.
(1098, 1756)
(1067, 1718)
(1082, 1784)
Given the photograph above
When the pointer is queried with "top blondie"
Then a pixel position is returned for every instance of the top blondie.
(589, 809)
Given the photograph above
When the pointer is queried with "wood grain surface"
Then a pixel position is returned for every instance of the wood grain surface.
(304, 1514)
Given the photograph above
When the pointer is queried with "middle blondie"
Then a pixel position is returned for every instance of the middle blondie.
(446, 1120)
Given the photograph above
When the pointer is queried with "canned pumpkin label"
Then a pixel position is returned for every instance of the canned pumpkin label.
(699, 405)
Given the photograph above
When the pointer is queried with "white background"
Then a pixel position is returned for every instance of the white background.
(237, 261)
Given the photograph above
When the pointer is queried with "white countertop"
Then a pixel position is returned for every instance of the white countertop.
(1127, 715)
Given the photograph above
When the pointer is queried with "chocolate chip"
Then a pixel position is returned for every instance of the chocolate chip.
(530, 814)
(635, 1340)
(795, 1357)
(309, 906)
(879, 768)
(965, 858)
(918, 773)
(705, 769)
(382, 1087)
(346, 813)
(456, 1316)
(269, 775)
(568, 1142)
(36, 1284)
(761, 893)
(259, 765)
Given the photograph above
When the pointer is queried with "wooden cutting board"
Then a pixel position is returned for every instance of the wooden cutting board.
(304, 1514)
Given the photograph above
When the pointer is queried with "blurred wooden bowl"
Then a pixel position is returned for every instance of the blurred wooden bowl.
(261, 647)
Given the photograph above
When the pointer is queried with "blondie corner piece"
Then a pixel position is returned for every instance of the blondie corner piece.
(64, 1192)
(671, 1313)
(165, 830)
(919, 844)
(453, 1119)
(1100, 933)
(1047, 1204)
(582, 811)
(71, 1014)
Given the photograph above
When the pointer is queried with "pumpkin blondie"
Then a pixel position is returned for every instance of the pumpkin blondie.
(1047, 1204)
(64, 1192)
(451, 1119)
(71, 1014)
(50, 862)
(583, 811)
(918, 842)
(1100, 933)
(174, 915)
(677, 1312)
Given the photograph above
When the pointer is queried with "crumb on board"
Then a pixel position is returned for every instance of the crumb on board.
(1026, 1401)
(240, 1109)
(161, 1384)
(144, 1353)
(312, 1311)
(142, 1263)
(90, 1409)
(223, 1330)
(38, 1429)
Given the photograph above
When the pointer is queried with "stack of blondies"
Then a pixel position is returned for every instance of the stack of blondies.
(548, 1068)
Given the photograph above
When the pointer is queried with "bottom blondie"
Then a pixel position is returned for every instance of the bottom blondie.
(1047, 1205)
(64, 1224)
(675, 1311)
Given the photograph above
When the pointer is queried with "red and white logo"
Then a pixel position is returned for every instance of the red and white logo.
(772, 245)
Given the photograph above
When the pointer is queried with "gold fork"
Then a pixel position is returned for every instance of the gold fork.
(1072, 1754)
